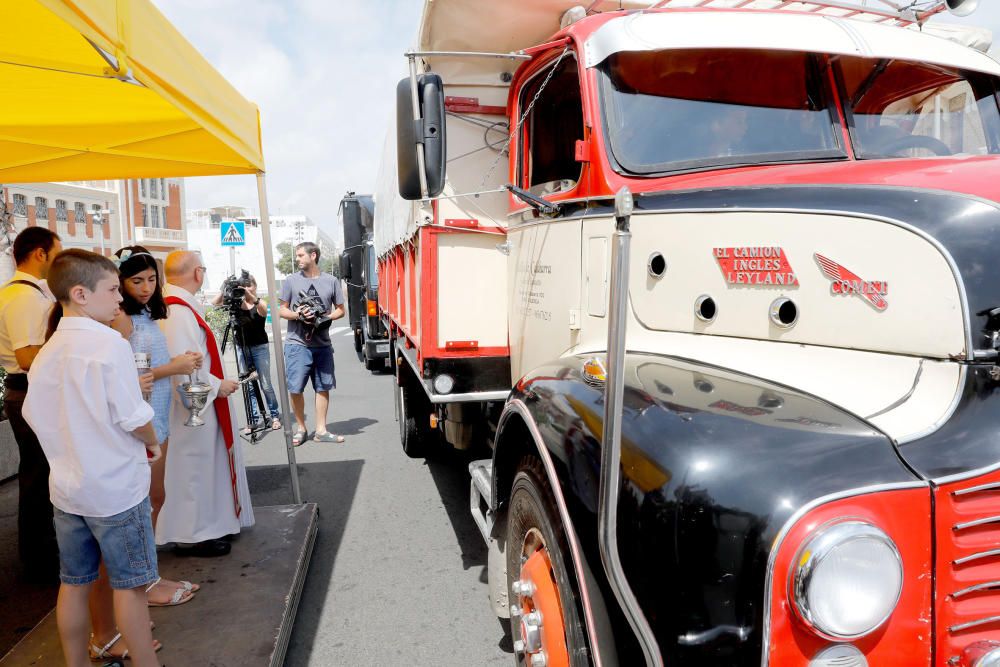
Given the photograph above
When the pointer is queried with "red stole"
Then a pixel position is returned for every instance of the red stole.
(221, 404)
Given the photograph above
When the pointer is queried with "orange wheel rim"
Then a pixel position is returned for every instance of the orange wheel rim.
(544, 599)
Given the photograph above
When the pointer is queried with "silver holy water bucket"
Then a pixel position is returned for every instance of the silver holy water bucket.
(194, 396)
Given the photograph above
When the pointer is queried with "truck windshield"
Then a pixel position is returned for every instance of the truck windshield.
(372, 269)
(683, 110)
(907, 109)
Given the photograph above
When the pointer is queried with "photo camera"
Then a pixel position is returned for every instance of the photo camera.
(315, 316)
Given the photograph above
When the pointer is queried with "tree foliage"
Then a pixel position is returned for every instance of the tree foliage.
(286, 258)
(285, 262)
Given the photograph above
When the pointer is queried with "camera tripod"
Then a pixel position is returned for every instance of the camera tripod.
(253, 395)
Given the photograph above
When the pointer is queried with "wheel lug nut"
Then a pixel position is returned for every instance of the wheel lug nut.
(523, 587)
(539, 659)
(515, 611)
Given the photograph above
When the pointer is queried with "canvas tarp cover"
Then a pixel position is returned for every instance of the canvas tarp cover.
(106, 89)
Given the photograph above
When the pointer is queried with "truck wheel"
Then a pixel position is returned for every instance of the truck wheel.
(359, 340)
(413, 419)
(374, 365)
(539, 575)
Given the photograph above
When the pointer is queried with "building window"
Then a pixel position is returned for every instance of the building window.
(154, 216)
(20, 205)
(61, 210)
(153, 182)
(145, 216)
(41, 208)
(79, 212)
(142, 187)
(163, 188)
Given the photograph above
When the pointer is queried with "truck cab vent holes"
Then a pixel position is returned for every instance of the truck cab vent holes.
(784, 313)
(657, 265)
(704, 308)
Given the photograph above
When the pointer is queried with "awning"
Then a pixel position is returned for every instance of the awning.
(107, 89)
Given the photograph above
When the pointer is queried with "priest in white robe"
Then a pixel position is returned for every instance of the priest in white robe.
(207, 497)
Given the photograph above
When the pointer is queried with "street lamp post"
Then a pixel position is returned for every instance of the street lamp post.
(100, 216)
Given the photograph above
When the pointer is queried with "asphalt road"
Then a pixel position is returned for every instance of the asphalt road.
(398, 575)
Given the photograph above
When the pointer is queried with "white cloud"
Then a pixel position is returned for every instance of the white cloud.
(323, 74)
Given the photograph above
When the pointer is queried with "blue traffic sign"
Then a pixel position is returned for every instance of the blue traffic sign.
(233, 233)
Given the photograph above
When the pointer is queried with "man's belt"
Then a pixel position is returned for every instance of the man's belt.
(16, 381)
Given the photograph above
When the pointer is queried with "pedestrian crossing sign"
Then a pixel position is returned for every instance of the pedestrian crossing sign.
(233, 233)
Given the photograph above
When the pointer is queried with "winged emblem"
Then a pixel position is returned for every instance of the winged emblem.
(845, 281)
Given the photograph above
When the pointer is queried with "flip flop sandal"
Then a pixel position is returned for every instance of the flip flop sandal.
(298, 438)
(188, 586)
(104, 652)
(276, 425)
(181, 595)
(328, 437)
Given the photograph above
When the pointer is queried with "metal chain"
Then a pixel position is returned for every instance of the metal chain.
(520, 122)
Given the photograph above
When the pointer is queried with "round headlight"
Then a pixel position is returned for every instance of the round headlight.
(443, 384)
(840, 655)
(847, 579)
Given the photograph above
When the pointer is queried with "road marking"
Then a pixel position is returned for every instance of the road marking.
(348, 333)
(337, 330)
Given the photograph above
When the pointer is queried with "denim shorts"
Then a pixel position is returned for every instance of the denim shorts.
(309, 363)
(124, 541)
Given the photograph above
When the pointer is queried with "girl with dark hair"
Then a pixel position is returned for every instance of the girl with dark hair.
(142, 305)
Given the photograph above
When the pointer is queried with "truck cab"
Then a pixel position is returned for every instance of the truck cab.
(808, 473)
(357, 268)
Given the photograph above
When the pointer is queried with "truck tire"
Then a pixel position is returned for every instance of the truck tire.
(374, 365)
(537, 551)
(359, 341)
(414, 417)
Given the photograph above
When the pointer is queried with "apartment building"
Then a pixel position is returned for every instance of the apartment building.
(145, 212)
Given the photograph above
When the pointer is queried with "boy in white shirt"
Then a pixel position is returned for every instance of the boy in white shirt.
(85, 405)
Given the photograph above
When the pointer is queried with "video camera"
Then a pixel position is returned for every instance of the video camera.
(316, 318)
(234, 289)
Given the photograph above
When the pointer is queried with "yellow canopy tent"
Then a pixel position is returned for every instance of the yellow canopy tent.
(109, 89)
(100, 89)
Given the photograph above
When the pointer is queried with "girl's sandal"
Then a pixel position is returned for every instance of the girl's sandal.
(326, 436)
(298, 438)
(104, 652)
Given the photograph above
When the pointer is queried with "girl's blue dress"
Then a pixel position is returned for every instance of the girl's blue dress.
(157, 342)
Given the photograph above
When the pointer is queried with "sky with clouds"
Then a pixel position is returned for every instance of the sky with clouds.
(323, 73)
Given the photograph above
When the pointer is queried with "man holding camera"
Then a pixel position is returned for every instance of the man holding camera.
(310, 300)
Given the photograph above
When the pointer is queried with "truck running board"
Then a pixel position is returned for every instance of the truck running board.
(481, 496)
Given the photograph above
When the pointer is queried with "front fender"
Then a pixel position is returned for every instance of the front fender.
(714, 464)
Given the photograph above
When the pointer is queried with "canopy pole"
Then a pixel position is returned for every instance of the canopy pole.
(279, 356)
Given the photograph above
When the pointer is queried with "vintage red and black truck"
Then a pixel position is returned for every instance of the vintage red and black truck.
(716, 281)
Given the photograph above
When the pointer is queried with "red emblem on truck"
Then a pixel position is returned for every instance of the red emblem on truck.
(843, 281)
(756, 265)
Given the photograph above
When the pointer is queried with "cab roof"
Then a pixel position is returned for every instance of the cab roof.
(510, 26)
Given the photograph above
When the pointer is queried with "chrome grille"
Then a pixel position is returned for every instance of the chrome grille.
(968, 564)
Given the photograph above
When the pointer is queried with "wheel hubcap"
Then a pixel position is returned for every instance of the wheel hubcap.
(542, 629)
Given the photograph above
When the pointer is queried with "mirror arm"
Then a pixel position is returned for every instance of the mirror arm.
(418, 126)
(540, 204)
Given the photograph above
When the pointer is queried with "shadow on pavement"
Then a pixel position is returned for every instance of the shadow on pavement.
(333, 486)
(353, 426)
(450, 471)
(22, 605)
